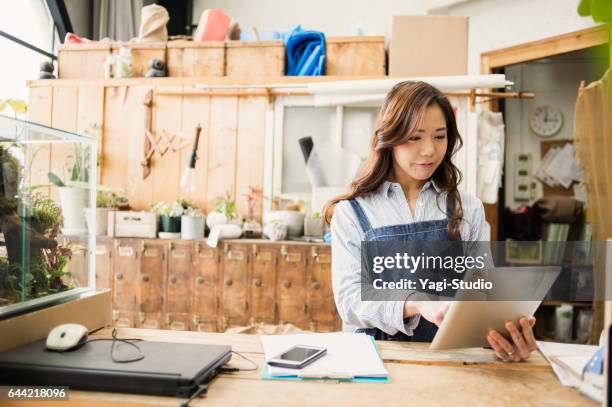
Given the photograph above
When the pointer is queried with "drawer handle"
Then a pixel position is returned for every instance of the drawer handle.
(119, 276)
(173, 279)
(228, 281)
(200, 280)
(316, 285)
(145, 278)
(287, 284)
(257, 282)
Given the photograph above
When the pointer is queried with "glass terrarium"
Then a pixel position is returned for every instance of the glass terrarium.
(47, 231)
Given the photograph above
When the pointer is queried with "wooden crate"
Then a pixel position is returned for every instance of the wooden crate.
(255, 58)
(142, 53)
(355, 56)
(192, 59)
(82, 61)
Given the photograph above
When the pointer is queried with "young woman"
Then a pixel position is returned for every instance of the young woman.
(407, 189)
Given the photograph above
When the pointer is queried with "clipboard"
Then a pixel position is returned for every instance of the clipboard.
(328, 376)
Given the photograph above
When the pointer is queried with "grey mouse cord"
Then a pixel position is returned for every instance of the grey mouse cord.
(230, 369)
(129, 341)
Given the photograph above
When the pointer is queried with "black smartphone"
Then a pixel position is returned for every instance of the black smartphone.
(297, 357)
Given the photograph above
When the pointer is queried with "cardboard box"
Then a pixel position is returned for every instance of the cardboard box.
(355, 56)
(428, 46)
(132, 224)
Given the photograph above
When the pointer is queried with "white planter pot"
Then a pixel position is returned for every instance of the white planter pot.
(192, 227)
(294, 221)
(313, 227)
(72, 202)
(101, 220)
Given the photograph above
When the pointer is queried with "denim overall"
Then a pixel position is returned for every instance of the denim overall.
(431, 230)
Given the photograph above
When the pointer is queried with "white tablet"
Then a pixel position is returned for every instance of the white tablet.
(467, 323)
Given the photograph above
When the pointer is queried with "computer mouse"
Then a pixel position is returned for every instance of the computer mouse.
(66, 337)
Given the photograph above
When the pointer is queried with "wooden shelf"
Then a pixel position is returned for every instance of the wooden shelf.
(210, 80)
(586, 304)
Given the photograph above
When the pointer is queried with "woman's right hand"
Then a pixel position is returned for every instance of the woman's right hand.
(433, 311)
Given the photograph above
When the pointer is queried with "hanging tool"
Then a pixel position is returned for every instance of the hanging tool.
(188, 178)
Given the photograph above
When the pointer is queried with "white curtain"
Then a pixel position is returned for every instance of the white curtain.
(117, 19)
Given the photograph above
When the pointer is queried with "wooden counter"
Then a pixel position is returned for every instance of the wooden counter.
(419, 377)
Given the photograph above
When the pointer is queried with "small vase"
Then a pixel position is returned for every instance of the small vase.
(170, 224)
(192, 227)
(251, 229)
(313, 227)
(72, 202)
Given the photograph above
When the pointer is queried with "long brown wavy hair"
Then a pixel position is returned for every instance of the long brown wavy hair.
(398, 119)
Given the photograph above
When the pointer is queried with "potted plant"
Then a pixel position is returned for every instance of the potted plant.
(192, 223)
(105, 202)
(252, 227)
(225, 212)
(170, 216)
(313, 225)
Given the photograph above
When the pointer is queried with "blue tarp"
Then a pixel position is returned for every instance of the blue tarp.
(304, 52)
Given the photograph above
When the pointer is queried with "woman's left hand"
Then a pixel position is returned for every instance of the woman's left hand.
(522, 343)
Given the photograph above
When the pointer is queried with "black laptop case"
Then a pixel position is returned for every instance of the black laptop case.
(169, 369)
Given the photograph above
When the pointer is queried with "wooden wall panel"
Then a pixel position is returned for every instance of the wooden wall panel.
(221, 159)
(90, 113)
(40, 107)
(230, 151)
(114, 153)
(63, 117)
(250, 150)
(166, 170)
(196, 109)
(139, 190)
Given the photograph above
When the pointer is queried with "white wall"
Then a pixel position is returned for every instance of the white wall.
(333, 17)
(498, 24)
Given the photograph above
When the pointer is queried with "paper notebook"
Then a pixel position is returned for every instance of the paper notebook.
(348, 355)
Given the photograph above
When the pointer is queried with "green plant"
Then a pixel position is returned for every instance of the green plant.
(177, 208)
(17, 105)
(227, 206)
(46, 214)
(78, 172)
(316, 215)
(108, 199)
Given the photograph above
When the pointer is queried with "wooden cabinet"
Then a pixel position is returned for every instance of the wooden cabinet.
(290, 286)
(234, 286)
(319, 294)
(205, 283)
(151, 284)
(263, 264)
(125, 281)
(104, 250)
(186, 285)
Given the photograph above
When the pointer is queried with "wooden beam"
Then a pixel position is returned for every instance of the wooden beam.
(546, 47)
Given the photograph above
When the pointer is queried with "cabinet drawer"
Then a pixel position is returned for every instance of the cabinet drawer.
(152, 277)
(320, 297)
(178, 284)
(263, 283)
(290, 286)
(205, 286)
(125, 274)
(234, 285)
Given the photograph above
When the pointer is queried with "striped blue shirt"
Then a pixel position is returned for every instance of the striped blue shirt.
(386, 207)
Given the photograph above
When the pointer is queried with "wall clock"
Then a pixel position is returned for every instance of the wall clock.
(546, 121)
